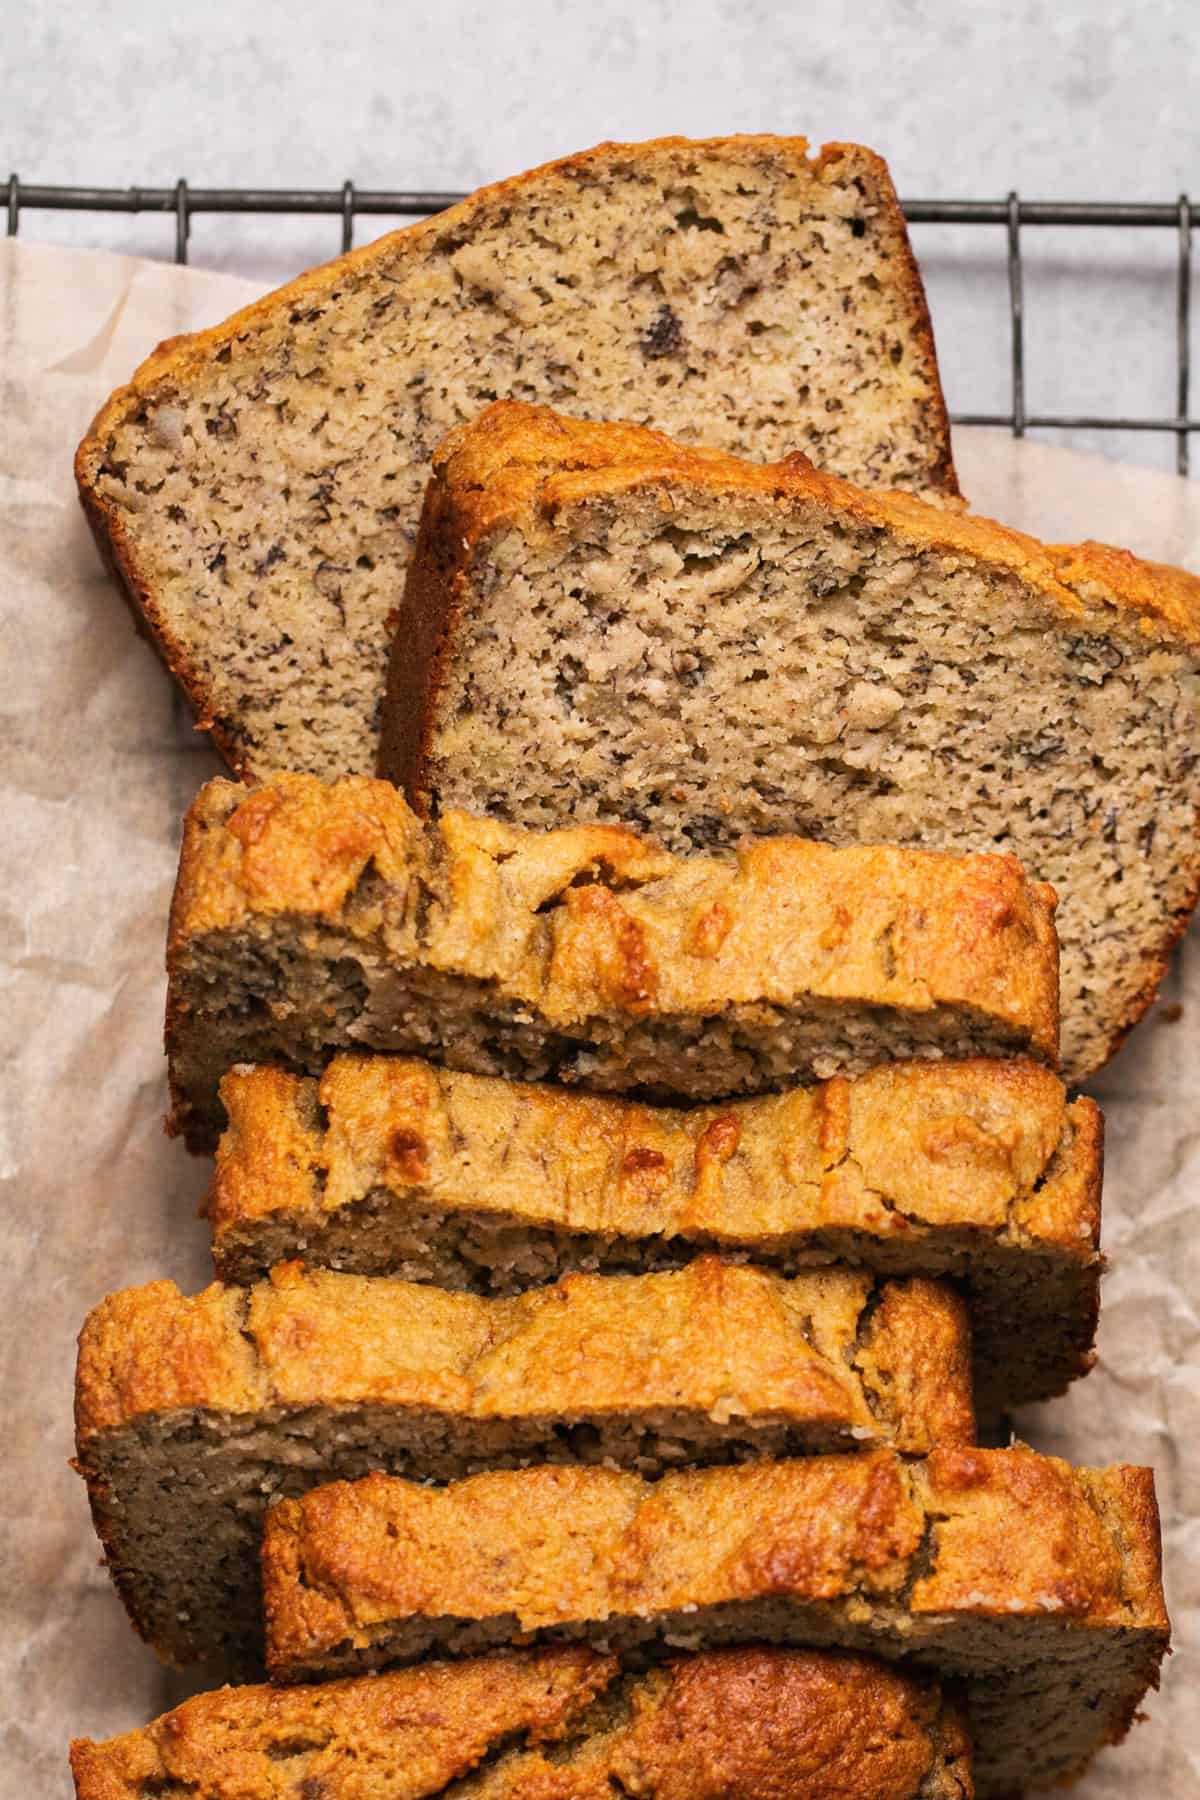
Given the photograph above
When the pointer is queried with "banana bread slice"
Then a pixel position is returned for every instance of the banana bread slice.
(1037, 1584)
(191, 1413)
(979, 1171)
(601, 624)
(556, 1724)
(257, 487)
(311, 918)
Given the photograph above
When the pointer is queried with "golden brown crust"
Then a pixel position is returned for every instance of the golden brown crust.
(1015, 1536)
(825, 1353)
(573, 1544)
(903, 1146)
(1116, 577)
(1127, 1502)
(273, 1155)
(755, 1724)
(915, 1361)
(908, 930)
(295, 846)
(429, 1727)
(1063, 1205)
(148, 1350)
(731, 1725)
(1018, 1533)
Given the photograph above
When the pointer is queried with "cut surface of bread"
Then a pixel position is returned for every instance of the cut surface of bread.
(257, 487)
(979, 1171)
(555, 1724)
(602, 624)
(310, 918)
(192, 1413)
(1037, 1584)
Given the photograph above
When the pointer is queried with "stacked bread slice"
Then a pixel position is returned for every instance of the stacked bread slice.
(495, 1361)
(556, 1724)
(311, 917)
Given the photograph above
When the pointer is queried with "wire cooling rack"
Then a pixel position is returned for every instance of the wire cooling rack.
(1012, 215)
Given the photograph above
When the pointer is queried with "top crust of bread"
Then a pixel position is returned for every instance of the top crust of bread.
(733, 1725)
(586, 930)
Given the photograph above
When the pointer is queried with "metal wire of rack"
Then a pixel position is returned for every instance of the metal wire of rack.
(349, 203)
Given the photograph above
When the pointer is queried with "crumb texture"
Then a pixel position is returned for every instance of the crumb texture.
(613, 626)
(192, 1414)
(257, 487)
(559, 1724)
(978, 1171)
(310, 918)
(1036, 1585)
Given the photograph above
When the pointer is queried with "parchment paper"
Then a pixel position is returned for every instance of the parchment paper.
(98, 762)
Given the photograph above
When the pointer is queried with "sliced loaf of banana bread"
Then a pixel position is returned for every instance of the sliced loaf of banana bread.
(1037, 1584)
(191, 1413)
(980, 1171)
(555, 1724)
(257, 487)
(601, 624)
(310, 918)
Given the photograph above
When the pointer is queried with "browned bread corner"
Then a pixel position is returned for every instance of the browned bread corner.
(193, 1412)
(556, 1724)
(310, 918)
(602, 624)
(980, 1171)
(1036, 1584)
(256, 487)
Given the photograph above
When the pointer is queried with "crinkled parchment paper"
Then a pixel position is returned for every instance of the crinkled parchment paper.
(98, 762)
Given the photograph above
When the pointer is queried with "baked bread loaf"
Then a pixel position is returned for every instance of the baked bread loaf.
(555, 1724)
(981, 1171)
(1037, 1584)
(601, 624)
(257, 487)
(191, 1413)
(311, 918)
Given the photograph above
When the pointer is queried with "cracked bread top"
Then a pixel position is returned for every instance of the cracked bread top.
(1015, 1536)
(903, 1146)
(730, 1725)
(828, 1354)
(593, 930)
(626, 925)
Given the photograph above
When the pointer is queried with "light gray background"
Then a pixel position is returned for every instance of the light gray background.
(1087, 99)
